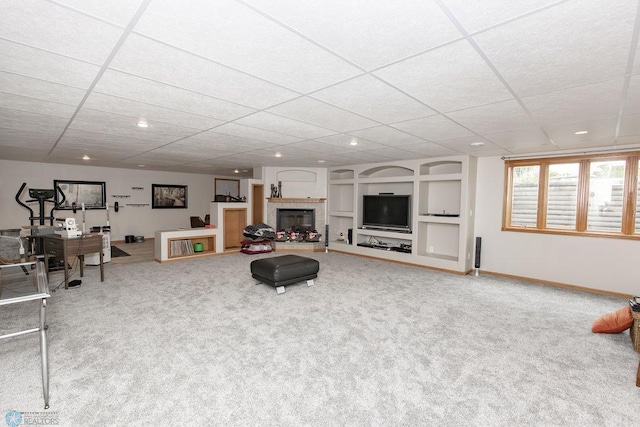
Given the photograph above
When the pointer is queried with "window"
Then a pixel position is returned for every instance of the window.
(580, 195)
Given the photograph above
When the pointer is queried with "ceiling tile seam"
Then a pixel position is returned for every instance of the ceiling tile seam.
(36, 99)
(33, 112)
(299, 34)
(221, 64)
(104, 67)
(466, 34)
(493, 68)
(88, 15)
(154, 121)
(47, 51)
(41, 80)
(190, 136)
(171, 109)
(627, 81)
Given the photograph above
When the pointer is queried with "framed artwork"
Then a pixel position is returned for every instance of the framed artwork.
(91, 194)
(168, 196)
(230, 187)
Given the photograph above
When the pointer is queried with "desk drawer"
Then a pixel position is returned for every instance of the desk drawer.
(54, 244)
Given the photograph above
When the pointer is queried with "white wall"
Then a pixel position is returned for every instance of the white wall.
(597, 263)
(139, 221)
(297, 189)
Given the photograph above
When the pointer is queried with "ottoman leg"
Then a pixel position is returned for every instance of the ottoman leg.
(310, 282)
(280, 290)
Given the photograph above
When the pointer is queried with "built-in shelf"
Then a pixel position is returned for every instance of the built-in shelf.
(441, 193)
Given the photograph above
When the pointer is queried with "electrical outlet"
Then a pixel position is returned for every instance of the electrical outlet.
(430, 249)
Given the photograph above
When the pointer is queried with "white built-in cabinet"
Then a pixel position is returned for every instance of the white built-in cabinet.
(442, 201)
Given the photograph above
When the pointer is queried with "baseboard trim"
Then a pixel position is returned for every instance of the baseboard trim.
(559, 284)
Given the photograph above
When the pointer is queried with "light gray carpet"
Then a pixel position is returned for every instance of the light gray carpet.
(373, 343)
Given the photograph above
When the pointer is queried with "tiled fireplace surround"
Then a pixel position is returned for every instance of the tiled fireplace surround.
(318, 205)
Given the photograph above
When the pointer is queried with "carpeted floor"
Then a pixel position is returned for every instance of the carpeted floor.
(196, 342)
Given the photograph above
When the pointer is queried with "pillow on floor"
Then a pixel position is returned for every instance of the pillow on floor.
(613, 323)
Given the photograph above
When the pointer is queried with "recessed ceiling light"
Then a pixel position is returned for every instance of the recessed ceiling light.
(245, 170)
(321, 161)
(236, 171)
(85, 157)
(140, 166)
(581, 132)
(278, 154)
(142, 124)
(353, 142)
(476, 144)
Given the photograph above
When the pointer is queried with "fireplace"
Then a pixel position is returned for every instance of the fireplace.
(305, 214)
(300, 220)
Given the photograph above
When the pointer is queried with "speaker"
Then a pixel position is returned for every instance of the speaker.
(478, 247)
(326, 235)
(350, 236)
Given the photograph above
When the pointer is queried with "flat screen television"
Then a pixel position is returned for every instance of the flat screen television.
(387, 212)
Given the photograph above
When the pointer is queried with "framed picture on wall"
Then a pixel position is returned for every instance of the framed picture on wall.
(165, 196)
(92, 194)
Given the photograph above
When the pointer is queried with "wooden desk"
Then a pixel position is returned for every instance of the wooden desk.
(56, 246)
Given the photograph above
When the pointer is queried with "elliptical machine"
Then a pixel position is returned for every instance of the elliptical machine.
(42, 197)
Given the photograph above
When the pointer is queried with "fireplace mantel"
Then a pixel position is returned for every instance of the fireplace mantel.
(295, 200)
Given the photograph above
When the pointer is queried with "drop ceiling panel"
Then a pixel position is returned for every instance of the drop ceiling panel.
(388, 136)
(321, 147)
(450, 78)
(107, 140)
(630, 126)
(115, 124)
(18, 137)
(54, 28)
(40, 89)
(32, 105)
(371, 34)
(255, 134)
(28, 117)
(492, 118)
(480, 14)
(150, 113)
(154, 93)
(461, 145)
(274, 123)
(361, 157)
(392, 153)
(342, 140)
(139, 56)
(574, 43)
(53, 131)
(318, 113)
(563, 134)
(433, 128)
(43, 65)
(119, 12)
(235, 35)
(217, 141)
(429, 149)
(532, 137)
(372, 98)
(570, 105)
(632, 104)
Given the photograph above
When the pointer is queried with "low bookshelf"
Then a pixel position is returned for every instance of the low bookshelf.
(173, 245)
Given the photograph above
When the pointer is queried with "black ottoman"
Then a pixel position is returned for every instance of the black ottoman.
(284, 270)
